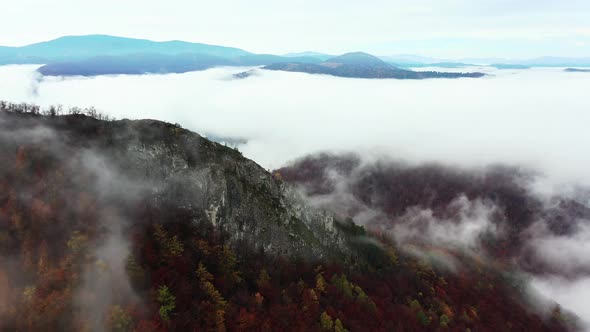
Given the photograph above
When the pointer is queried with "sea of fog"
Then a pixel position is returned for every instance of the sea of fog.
(537, 118)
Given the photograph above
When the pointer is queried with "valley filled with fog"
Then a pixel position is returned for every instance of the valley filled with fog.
(536, 118)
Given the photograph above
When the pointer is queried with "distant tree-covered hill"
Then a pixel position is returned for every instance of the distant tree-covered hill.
(577, 70)
(362, 65)
(154, 63)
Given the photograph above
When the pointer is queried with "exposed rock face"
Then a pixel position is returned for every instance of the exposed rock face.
(214, 183)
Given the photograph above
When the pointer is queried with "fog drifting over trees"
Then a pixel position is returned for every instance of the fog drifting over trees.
(533, 118)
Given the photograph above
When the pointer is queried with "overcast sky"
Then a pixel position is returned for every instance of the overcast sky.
(438, 28)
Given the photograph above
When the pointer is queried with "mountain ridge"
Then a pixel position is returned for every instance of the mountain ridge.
(140, 224)
(46, 52)
(357, 58)
(86, 46)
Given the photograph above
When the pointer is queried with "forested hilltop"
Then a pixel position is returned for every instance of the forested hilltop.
(363, 65)
(146, 226)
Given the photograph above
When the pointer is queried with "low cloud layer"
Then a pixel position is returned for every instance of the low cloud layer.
(567, 260)
(565, 255)
(437, 211)
(571, 294)
(471, 222)
(535, 117)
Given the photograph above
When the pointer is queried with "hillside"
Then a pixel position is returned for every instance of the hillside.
(154, 63)
(409, 197)
(145, 226)
(136, 64)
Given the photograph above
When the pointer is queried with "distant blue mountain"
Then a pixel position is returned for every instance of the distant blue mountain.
(410, 59)
(509, 66)
(546, 61)
(435, 64)
(309, 54)
(356, 59)
(577, 70)
(500, 63)
(85, 47)
(265, 59)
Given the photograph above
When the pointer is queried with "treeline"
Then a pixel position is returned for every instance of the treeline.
(52, 110)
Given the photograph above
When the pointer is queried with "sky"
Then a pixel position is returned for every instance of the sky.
(436, 28)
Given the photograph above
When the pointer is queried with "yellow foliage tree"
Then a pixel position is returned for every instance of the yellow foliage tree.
(119, 319)
(216, 298)
(167, 302)
(320, 283)
(338, 326)
(77, 243)
(326, 322)
(263, 279)
(171, 246)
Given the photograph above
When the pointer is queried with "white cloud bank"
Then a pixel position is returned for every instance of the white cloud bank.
(571, 294)
(536, 117)
(472, 221)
